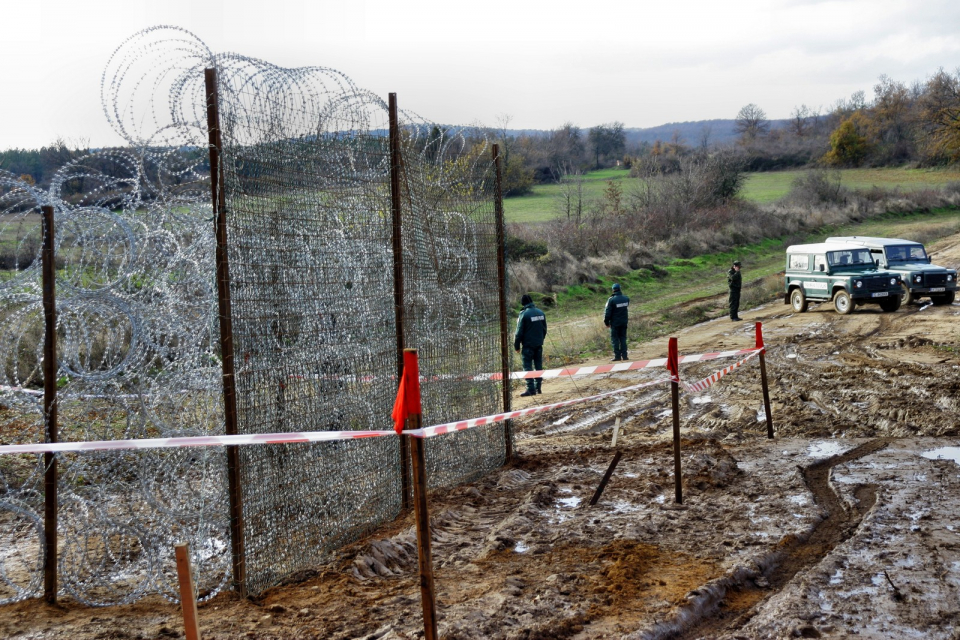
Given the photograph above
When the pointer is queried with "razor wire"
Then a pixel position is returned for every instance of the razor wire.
(307, 174)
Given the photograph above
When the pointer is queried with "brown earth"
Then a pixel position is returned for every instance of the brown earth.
(837, 527)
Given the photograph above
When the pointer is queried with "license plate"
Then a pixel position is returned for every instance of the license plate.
(880, 294)
(937, 289)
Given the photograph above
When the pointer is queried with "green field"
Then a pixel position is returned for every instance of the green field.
(771, 186)
(684, 292)
(541, 204)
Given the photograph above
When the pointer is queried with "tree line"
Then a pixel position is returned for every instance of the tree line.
(916, 123)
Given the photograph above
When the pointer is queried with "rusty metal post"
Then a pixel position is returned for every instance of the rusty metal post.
(396, 212)
(226, 331)
(49, 278)
(673, 365)
(425, 555)
(763, 381)
(502, 287)
(188, 594)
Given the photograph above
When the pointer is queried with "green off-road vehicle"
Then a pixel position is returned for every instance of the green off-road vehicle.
(842, 272)
(909, 260)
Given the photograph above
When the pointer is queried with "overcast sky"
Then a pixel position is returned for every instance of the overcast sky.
(542, 63)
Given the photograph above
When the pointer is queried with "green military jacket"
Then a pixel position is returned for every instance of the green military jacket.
(531, 327)
(734, 278)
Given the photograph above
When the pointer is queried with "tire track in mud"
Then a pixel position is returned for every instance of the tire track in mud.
(728, 604)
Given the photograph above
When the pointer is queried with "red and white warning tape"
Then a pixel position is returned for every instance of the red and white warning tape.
(612, 368)
(440, 429)
(193, 441)
(426, 432)
(706, 383)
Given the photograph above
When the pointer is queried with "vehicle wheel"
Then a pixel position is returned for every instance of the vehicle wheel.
(798, 300)
(842, 302)
(946, 298)
(906, 296)
(890, 304)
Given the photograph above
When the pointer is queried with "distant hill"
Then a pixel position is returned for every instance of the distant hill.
(719, 132)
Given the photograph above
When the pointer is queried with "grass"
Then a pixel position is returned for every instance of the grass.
(686, 291)
(773, 185)
(540, 204)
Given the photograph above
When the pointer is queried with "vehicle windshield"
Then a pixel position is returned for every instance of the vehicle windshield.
(849, 257)
(906, 253)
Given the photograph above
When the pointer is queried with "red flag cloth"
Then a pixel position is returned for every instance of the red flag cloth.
(408, 395)
(673, 360)
(759, 336)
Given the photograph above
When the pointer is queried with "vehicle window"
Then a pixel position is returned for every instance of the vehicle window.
(917, 253)
(896, 254)
(799, 261)
(849, 257)
(818, 261)
(877, 254)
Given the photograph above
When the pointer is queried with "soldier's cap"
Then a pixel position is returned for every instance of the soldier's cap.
(525, 299)
(736, 263)
(616, 287)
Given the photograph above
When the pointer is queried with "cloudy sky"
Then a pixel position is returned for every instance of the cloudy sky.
(541, 63)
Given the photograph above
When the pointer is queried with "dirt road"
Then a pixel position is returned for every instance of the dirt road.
(844, 524)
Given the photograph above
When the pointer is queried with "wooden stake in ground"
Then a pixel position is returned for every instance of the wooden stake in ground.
(616, 431)
(407, 409)
(763, 381)
(606, 476)
(673, 366)
(188, 597)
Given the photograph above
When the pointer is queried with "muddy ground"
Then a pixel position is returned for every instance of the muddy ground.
(843, 525)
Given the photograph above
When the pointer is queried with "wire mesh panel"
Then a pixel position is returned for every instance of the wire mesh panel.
(451, 293)
(307, 170)
(311, 283)
(21, 403)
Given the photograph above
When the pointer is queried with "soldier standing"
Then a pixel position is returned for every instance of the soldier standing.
(734, 280)
(531, 331)
(615, 317)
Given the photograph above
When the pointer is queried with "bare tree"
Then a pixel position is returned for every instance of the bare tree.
(800, 120)
(569, 199)
(751, 123)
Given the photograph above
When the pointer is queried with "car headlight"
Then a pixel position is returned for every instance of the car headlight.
(949, 278)
(917, 278)
(893, 281)
(858, 283)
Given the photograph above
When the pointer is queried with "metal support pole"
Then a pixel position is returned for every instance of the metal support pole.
(673, 364)
(502, 287)
(49, 277)
(425, 554)
(763, 381)
(188, 595)
(226, 331)
(396, 212)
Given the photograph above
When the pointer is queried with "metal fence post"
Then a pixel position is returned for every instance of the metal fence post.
(49, 278)
(502, 285)
(226, 331)
(673, 365)
(763, 381)
(398, 280)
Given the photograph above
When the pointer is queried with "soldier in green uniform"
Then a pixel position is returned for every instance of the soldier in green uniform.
(734, 279)
(615, 317)
(531, 331)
